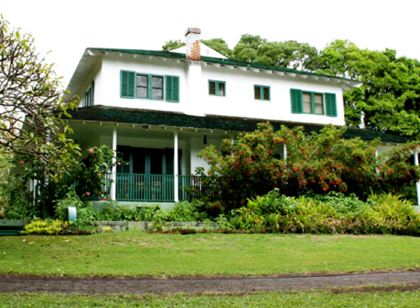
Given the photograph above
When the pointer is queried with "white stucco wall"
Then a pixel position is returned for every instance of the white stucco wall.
(194, 98)
(239, 100)
(107, 91)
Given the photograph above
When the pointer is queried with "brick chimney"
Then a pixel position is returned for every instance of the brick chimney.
(192, 40)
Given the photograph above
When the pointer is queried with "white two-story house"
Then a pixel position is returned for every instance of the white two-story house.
(159, 109)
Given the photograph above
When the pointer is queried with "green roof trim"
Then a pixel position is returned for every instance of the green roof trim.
(155, 53)
(151, 117)
(176, 55)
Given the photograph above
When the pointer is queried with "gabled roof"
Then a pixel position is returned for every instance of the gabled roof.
(205, 51)
(92, 56)
(175, 119)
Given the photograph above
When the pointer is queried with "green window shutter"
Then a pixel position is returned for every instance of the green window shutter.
(172, 88)
(296, 100)
(330, 104)
(127, 84)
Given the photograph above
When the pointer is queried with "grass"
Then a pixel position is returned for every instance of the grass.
(135, 253)
(272, 299)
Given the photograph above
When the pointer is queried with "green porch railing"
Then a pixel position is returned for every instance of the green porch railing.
(186, 183)
(149, 187)
(145, 187)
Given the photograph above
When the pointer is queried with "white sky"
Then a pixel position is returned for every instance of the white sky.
(65, 28)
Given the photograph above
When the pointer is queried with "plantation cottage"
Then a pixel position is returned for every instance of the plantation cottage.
(158, 109)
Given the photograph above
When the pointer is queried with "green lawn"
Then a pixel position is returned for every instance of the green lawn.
(136, 253)
(272, 299)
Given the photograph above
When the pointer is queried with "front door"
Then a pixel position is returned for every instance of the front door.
(145, 174)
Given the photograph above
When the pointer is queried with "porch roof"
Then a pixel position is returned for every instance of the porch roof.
(176, 119)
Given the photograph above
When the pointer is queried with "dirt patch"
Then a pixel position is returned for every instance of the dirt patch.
(361, 282)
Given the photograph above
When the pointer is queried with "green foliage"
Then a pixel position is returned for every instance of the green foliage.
(316, 163)
(390, 91)
(290, 54)
(172, 44)
(45, 227)
(114, 212)
(186, 211)
(91, 178)
(18, 202)
(219, 45)
(35, 117)
(395, 215)
(333, 213)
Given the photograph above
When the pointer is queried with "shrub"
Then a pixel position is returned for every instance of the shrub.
(333, 213)
(186, 211)
(18, 202)
(316, 163)
(395, 215)
(45, 227)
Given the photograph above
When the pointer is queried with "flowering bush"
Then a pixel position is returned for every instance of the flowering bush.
(316, 163)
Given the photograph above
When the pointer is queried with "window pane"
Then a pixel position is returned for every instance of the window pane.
(266, 93)
(307, 103)
(157, 82)
(157, 93)
(142, 80)
(257, 92)
(141, 92)
(222, 89)
(319, 106)
(212, 88)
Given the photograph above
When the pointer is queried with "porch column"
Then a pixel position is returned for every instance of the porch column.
(176, 197)
(285, 152)
(114, 165)
(416, 162)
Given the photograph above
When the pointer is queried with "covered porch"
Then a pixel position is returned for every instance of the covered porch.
(151, 163)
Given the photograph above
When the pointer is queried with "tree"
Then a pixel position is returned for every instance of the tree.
(172, 44)
(219, 45)
(389, 98)
(290, 54)
(31, 115)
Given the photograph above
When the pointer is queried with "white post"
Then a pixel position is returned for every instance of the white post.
(284, 152)
(416, 162)
(114, 165)
(176, 197)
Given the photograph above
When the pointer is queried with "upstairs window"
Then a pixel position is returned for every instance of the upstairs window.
(217, 88)
(149, 86)
(88, 98)
(313, 102)
(262, 92)
(138, 85)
